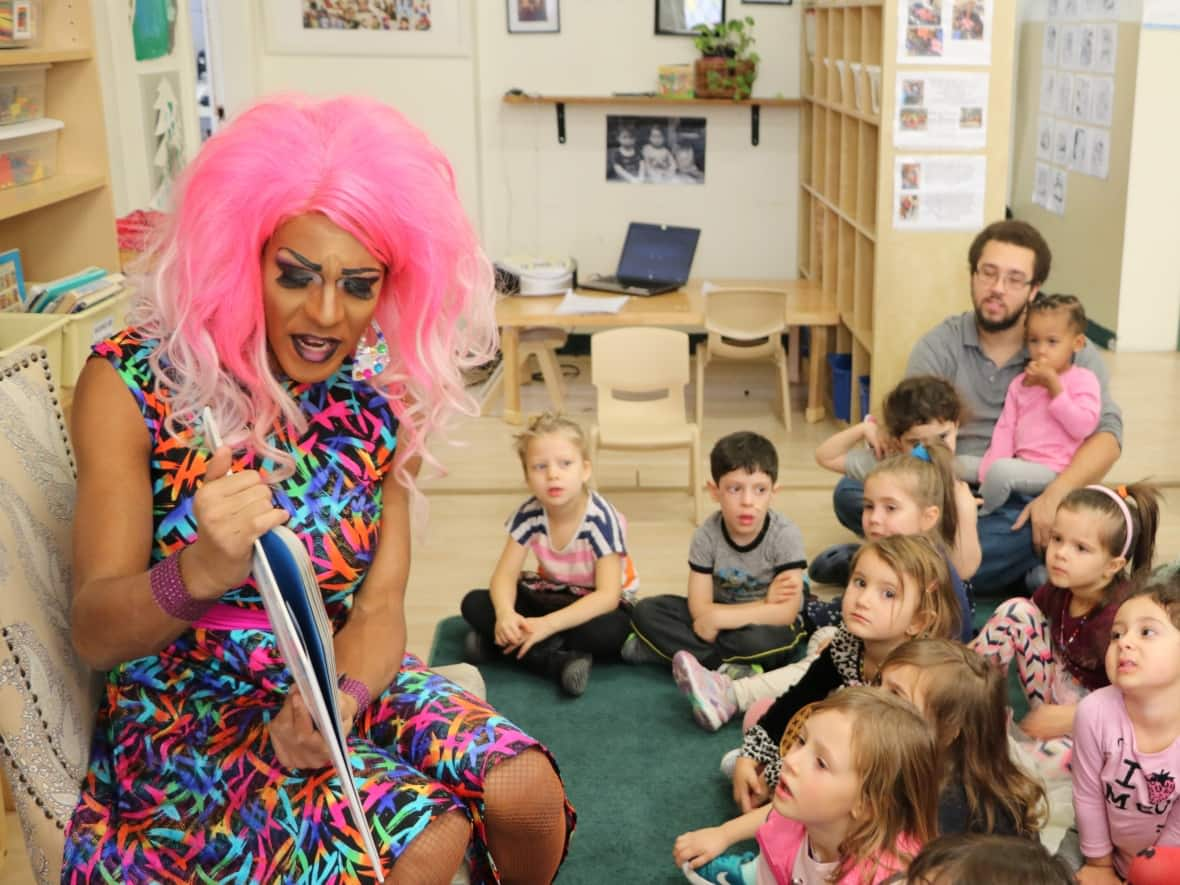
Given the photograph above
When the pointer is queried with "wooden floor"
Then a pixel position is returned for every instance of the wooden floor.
(464, 532)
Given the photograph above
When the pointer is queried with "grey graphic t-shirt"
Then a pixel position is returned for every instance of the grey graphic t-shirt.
(743, 574)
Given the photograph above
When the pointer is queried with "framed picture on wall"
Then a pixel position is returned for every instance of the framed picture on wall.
(390, 28)
(679, 17)
(533, 17)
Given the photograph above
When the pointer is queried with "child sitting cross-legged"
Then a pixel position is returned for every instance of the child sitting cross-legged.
(573, 608)
(853, 802)
(745, 584)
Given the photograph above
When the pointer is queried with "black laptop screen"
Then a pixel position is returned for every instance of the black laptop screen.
(657, 252)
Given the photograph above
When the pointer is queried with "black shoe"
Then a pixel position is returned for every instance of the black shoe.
(477, 649)
(834, 565)
(575, 673)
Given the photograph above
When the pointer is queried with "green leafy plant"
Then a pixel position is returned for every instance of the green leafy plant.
(731, 41)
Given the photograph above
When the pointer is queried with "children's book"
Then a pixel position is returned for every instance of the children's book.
(291, 596)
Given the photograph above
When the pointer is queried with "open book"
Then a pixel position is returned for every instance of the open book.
(287, 584)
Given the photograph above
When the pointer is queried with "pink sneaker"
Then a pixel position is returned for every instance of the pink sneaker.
(710, 693)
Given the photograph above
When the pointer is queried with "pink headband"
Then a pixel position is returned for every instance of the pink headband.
(1118, 499)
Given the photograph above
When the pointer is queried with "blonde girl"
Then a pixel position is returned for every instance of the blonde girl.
(1127, 739)
(981, 789)
(1101, 537)
(575, 606)
(853, 803)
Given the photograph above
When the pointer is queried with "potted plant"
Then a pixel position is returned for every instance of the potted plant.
(727, 66)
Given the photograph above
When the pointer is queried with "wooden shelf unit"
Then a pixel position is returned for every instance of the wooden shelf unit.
(890, 286)
(65, 222)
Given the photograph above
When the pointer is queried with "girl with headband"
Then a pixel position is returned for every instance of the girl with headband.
(1101, 537)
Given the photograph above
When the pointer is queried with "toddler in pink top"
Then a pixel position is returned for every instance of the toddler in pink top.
(1049, 410)
(1127, 739)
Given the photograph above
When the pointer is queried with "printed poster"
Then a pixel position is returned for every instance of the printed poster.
(938, 110)
(955, 32)
(939, 192)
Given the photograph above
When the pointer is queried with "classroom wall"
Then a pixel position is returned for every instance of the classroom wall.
(526, 192)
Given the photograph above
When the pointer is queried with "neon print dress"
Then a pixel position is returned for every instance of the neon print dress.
(183, 784)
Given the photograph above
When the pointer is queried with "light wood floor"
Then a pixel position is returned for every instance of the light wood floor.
(464, 533)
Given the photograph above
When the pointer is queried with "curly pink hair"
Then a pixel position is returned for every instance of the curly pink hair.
(368, 170)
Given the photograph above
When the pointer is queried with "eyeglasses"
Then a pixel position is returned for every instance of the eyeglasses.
(990, 274)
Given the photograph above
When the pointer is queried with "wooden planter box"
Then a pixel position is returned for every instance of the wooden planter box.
(725, 82)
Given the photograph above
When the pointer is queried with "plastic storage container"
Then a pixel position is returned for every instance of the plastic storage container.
(22, 93)
(20, 23)
(28, 151)
(84, 330)
(34, 330)
(841, 364)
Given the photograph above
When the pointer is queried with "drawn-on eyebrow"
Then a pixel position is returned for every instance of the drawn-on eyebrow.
(311, 265)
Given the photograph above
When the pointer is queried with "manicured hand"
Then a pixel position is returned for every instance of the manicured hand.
(1092, 875)
(231, 511)
(509, 631)
(294, 737)
(749, 787)
(535, 630)
(1039, 374)
(698, 847)
(706, 626)
(785, 587)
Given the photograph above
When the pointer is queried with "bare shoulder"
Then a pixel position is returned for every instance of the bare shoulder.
(104, 416)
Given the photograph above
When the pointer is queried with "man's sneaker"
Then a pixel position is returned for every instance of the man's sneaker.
(709, 693)
(729, 762)
(477, 649)
(636, 651)
(725, 869)
(736, 670)
(575, 673)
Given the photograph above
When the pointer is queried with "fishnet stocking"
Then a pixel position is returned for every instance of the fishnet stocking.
(525, 805)
(436, 852)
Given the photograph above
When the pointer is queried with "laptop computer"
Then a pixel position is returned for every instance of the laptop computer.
(656, 258)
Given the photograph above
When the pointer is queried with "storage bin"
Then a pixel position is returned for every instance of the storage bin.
(20, 23)
(84, 330)
(28, 151)
(22, 93)
(863, 384)
(35, 330)
(841, 364)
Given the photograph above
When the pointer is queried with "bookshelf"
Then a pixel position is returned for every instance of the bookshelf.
(890, 286)
(65, 222)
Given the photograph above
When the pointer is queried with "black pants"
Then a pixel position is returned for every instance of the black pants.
(665, 624)
(601, 636)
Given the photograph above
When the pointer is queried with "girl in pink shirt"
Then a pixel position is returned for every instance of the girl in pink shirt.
(854, 803)
(1049, 410)
(1127, 739)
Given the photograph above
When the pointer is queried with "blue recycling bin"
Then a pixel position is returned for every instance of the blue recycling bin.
(841, 364)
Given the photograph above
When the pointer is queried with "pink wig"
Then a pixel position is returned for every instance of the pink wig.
(368, 170)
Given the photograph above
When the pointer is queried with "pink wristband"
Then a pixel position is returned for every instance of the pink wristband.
(357, 690)
(171, 595)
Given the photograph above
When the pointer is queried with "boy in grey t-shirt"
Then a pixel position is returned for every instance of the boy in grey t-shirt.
(745, 584)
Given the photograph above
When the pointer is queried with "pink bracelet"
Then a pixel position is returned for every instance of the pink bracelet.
(171, 595)
(357, 690)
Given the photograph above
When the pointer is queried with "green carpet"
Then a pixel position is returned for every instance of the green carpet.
(638, 770)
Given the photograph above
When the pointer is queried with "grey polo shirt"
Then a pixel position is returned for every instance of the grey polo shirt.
(951, 351)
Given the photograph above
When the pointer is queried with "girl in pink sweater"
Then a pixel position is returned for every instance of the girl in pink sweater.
(1049, 410)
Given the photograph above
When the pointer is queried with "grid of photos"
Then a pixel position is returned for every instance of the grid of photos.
(655, 150)
(1074, 127)
(366, 15)
(944, 31)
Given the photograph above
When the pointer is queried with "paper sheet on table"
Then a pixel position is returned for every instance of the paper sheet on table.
(573, 303)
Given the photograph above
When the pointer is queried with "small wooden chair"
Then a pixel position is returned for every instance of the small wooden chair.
(745, 324)
(640, 375)
(540, 343)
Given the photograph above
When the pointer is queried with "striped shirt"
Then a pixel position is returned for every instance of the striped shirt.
(602, 532)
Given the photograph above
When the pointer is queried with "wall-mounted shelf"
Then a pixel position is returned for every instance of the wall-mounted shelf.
(559, 102)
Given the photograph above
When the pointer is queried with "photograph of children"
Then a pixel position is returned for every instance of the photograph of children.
(911, 176)
(925, 12)
(531, 10)
(655, 150)
(912, 92)
(967, 20)
(368, 15)
(907, 207)
(970, 118)
(913, 119)
(924, 42)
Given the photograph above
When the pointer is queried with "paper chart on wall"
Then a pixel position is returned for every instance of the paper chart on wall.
(1041, 183)
(937, 110)
(945, 32)
(939, 192)
(1044, 138)
(1057, 186)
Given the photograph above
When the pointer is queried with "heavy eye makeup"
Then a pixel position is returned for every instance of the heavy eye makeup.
(297, 272)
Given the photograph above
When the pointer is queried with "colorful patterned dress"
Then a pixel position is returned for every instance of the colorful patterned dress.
(183, 784)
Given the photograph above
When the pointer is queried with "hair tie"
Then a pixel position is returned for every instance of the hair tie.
(1122, 490)
(1118, 497)
(921, 453)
